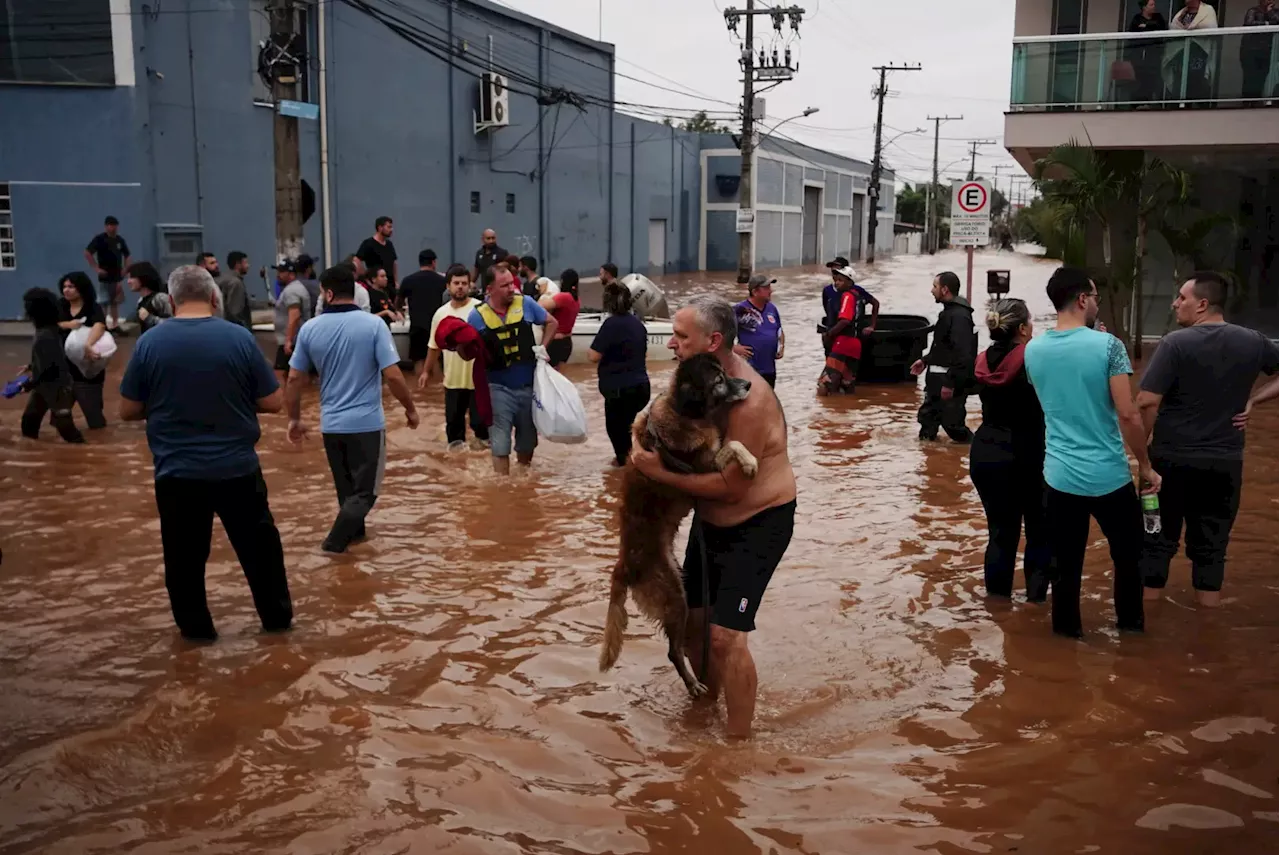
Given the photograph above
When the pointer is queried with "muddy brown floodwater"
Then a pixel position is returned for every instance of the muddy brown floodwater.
(440, 690)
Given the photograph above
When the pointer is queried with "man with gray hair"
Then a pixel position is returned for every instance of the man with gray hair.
(741, 526)
(200, 382)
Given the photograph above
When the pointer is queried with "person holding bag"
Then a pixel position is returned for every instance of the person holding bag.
(79, 310)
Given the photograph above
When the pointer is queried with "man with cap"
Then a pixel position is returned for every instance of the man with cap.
(831, 295)
(293, 308)
(843, 338)
(761, 340)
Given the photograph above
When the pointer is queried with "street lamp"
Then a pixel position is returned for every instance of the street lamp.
(808, 111)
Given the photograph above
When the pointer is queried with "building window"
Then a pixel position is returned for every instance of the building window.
(511, 203)
(64, 42)
(8, 258)
(475, 201)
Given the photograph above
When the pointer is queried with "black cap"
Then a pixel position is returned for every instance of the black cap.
(303, 261)
(838, 261)
(287, 266)
(111, 221)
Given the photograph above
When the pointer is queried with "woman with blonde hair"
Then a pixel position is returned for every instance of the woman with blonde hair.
(1006, 459)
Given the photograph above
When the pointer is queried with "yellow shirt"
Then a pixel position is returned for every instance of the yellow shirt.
(457, 371)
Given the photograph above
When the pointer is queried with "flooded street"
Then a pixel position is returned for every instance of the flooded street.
(440, 691)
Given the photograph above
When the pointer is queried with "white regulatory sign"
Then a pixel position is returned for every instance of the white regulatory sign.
(970, 213)
(746, 220)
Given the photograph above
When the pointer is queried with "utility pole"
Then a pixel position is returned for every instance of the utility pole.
(873, 190)
(973, 154)
(285, 63)
(931, 213)
(776, 70)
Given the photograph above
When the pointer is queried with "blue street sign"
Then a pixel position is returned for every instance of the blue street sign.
(299, 110)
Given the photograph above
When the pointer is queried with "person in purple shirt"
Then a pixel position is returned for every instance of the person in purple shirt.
(760, 337)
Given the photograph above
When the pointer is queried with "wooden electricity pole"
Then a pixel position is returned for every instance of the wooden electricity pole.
(286, 70)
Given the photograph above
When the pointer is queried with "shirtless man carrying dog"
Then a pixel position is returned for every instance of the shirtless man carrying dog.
(745, 524)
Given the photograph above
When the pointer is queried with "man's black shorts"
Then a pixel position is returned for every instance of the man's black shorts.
(419, 342)
(741, 560)
(282, 359)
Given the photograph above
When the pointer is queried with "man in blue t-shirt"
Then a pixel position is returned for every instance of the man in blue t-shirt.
(200, 382)
(1081, 376)
(761, 340)
(505, 322)
(353, 353)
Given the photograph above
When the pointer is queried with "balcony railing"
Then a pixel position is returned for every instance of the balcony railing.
(1229, 67)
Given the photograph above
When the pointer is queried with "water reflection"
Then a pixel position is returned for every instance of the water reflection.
(440, 691)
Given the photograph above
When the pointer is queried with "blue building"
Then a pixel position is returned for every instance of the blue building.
(156, 114)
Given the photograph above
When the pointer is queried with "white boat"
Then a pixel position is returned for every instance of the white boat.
(647, 294)
(584, 332)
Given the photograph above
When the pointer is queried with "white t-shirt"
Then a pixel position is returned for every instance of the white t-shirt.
(457, 371)
(362, 298)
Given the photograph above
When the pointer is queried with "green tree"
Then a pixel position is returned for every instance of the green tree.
(699, 123)
(1104, 199)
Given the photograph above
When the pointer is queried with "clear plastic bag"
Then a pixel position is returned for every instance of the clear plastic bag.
(74, 346)
(558, 413)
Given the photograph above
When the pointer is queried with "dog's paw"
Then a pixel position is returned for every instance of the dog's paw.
(748, 463)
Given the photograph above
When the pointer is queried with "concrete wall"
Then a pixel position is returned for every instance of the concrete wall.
(192, 148)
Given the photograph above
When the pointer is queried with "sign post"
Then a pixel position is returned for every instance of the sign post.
(970, 221)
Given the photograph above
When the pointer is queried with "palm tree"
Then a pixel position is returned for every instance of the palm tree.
(1107, 196)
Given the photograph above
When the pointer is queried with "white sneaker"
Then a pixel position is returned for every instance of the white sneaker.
(458, 445)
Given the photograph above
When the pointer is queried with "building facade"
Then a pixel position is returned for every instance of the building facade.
(157, 114)
(1203, 100)
(810, 205)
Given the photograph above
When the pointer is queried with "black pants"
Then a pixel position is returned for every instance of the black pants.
(1119, 515)
(357, 461)
(89, 396)
(620, 410)
(771, 379)
(1254, 62)
(457, 403)
(186, 509)
(55, 400)
(1012, 493)
(1204, 495)
(936, 412)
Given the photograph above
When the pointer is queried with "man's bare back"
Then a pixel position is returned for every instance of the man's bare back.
(759, 424)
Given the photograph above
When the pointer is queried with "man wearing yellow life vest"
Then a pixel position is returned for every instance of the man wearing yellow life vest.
(505, 322)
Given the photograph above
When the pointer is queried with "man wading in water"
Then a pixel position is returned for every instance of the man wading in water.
(741, 526)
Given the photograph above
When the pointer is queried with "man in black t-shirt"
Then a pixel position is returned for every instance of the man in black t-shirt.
(379, 251)
(422, 292)
(489, 253)
(108, 254)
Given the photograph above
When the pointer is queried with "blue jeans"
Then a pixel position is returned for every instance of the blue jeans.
(512, 409)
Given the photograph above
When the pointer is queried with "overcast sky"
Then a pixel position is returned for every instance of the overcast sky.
(964, 50)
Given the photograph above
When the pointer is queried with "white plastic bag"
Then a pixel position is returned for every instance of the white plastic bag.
(558, 413)
(104, 347)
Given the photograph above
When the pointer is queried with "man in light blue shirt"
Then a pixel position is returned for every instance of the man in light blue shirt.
(353, 352)
(1081, 376)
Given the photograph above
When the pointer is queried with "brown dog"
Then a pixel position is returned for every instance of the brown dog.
(685, 426)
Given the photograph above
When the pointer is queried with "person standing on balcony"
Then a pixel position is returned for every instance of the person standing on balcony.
(1196, 15)
(1256, 50)
(1144, 54)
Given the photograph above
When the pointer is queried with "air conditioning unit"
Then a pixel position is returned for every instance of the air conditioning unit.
(493, 102)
